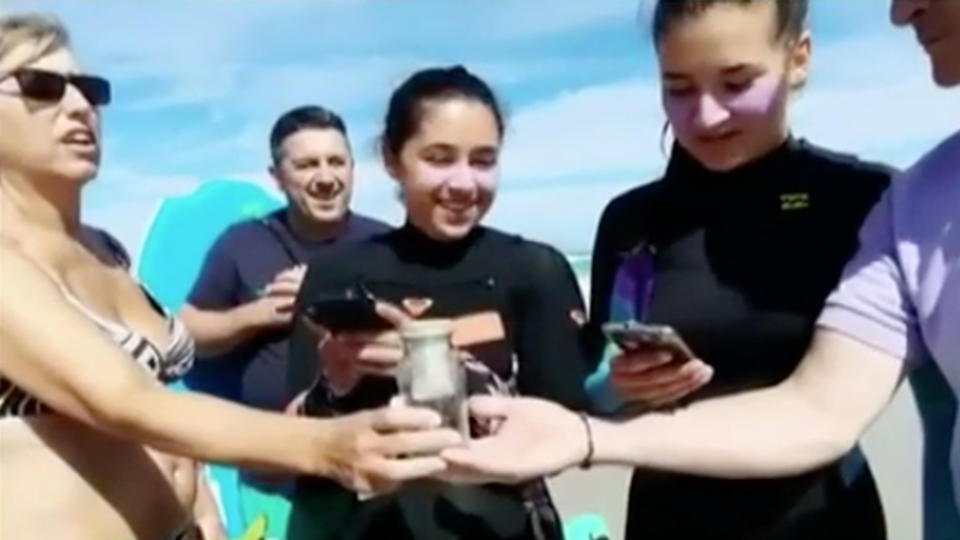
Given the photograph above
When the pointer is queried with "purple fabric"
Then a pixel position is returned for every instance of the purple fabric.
(633, 286)
(632, 293)
(901, 292)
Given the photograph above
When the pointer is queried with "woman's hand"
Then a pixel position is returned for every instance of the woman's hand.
(373, 452)
(532, 438)
(347, 357)
(656, 377)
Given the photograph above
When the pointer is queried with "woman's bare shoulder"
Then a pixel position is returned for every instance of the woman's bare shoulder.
(19, 273)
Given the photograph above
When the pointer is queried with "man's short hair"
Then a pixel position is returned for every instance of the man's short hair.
(305, 117)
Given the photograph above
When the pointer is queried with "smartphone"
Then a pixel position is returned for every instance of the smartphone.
(632, 335)
(347, 310)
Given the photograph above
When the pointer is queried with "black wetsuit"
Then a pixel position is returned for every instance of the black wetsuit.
(742, 263)
(537, 312)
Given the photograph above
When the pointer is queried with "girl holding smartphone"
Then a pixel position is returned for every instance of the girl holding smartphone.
(735, 248)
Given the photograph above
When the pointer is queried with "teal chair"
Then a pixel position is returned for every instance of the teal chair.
(586, 527)
(185, 227)
(183, 230)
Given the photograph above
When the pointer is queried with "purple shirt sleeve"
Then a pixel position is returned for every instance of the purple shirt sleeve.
(217, 286)
(872, 303)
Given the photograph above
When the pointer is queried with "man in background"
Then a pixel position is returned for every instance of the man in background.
(240, 309)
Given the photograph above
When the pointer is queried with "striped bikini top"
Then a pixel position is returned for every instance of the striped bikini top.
(164, 364)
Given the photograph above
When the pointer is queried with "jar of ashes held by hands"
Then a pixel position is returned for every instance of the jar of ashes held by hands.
(431, 374)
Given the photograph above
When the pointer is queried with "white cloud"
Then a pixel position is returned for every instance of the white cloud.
(338, 82)
(530, 19)
(564, 215)
(243, 62)
(125, 180)
(895, 123)
(375, 192)
(856, 59)
(357, 88)
(853, 104)
(186, 84)
(124, 200)
(874, 95)
(885, 110)
(208, 53)
(565, 156)
(595, 130)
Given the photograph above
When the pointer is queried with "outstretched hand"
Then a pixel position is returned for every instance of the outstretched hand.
(373, 452)
(532, 438)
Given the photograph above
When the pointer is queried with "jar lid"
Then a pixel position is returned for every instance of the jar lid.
(426, 328)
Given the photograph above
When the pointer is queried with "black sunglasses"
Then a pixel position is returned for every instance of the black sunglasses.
(43, 85)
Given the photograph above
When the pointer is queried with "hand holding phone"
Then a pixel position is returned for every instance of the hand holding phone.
(656, 366)
(273, 304)
(356, 335)
(632, 335)
(352, 309)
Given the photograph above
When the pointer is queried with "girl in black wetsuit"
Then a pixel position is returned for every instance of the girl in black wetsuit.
(736, 247)
(516, 305)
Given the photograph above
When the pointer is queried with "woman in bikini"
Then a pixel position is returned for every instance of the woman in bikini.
(88, 435)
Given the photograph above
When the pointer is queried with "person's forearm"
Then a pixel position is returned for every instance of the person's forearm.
(218, 332)
(209, 429)
(783, 434)
(805, 422)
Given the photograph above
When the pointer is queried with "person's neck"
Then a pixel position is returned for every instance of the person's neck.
(684, 165)
(772, 145)
(49, 204)
(312, 230)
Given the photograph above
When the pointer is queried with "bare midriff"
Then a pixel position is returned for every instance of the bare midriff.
(62, 479)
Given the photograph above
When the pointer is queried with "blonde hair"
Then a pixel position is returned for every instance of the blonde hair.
(45, 33)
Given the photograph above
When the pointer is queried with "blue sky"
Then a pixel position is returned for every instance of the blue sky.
(197, 85)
